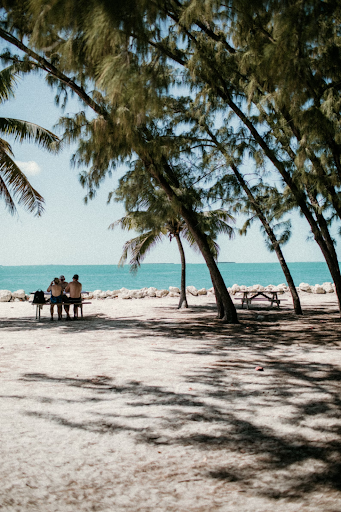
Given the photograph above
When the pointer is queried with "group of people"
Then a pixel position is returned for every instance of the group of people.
(59, 288)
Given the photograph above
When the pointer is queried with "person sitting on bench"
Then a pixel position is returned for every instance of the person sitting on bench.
(74, 289)
(56, 297)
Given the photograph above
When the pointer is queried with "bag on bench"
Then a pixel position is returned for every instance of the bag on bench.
(39, 297)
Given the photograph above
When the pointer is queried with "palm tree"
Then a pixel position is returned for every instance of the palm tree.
(14, 185)
(155, 226)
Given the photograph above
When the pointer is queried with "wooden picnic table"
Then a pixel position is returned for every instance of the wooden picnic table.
(248, 297)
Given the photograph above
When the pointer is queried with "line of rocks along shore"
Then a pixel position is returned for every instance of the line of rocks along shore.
(173, 291)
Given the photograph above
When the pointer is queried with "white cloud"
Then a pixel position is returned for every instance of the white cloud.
(30, 168)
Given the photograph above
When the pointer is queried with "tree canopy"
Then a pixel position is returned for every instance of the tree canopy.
(258, 82)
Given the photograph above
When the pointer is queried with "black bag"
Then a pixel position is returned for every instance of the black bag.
(39, 297)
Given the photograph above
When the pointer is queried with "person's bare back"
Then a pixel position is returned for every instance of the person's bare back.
(74, 289)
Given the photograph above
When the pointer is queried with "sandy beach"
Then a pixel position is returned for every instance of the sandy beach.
(143, 407)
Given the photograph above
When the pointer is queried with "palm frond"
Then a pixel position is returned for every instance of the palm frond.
(8, 79)
(138, 248)
(16, 187)
(23, 131)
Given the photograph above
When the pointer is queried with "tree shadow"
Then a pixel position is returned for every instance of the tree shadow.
(275, 434)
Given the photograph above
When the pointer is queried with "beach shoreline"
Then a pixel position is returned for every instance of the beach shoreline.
(141, 406)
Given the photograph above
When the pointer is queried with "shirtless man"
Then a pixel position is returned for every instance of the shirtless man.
(56, 290)
(74, 289)
(64, 285)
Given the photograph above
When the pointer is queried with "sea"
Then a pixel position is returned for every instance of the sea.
(159, 275)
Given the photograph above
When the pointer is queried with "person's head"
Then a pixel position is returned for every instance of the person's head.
(75, 277)
(56, 280)
(62, 279)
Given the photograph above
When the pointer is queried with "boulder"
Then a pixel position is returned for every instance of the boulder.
(151, 292)
(102, 295)
(19, 294)
(161, 293)
(257, 288)
(305, 287)
(173, 294)
(138, 294)
(174, 289)
(5, 295)
(318, 289)
(202, 291)
(192, 290)
(328, 287)
(235, 289)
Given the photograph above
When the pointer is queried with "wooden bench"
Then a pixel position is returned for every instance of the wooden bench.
(39, 306)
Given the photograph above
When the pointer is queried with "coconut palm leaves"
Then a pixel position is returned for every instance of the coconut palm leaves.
(14, 185)
(155, 226)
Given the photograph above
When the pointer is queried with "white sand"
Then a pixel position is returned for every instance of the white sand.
(142, 407)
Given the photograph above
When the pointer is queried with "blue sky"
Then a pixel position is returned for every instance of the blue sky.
(72, 233)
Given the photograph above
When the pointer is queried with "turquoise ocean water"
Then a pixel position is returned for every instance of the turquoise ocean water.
(160, 275)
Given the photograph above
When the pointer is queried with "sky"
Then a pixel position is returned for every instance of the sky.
(73, 233)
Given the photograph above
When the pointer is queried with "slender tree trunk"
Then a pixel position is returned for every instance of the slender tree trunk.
(229, 314)
(267, 227)
(219, 302)
(183, 300)
(274, 241)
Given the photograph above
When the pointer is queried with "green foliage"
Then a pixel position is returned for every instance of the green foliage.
(14, 185)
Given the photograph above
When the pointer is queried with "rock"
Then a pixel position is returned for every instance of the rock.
(328, 287)
(5, 295)
(126, 294)
(19, 294)
(318, 289)
(161, 293)
(138, 294)
(16, 299)
(202, 291)
(243, 288)
(192, 290)
(102, 295)
(151, 292)
(115, 293)
(257, 288)
(173, 294)
(235, 289)
(305, 287)
(174, 289)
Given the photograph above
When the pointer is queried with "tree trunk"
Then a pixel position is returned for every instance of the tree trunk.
(229, 314)
(183, 300)
(274, 241)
